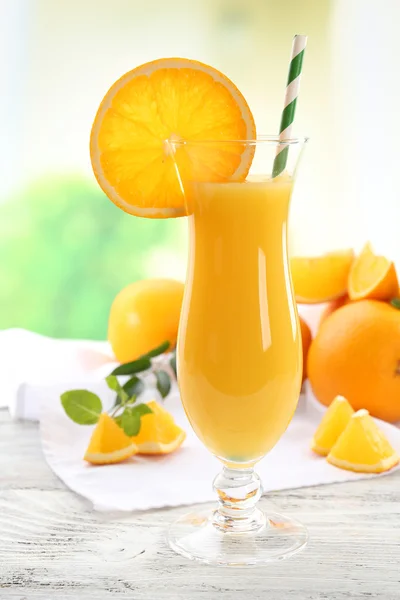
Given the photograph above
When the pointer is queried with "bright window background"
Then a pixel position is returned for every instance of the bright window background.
(65, 250)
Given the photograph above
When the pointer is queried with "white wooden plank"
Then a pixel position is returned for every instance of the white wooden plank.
(21, 460)
(52, 545)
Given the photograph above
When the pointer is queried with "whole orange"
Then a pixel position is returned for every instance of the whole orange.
(356, 353)
(306, 341)
(144, 315)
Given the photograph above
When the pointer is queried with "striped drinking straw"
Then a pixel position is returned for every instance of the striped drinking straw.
(292, 91)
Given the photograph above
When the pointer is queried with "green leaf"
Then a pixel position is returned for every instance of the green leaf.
(395, 303)
(157, 351)
(117, 402)
(142, 409)
(163, 383)
(113, 383)
(131, 401)
(142, 363)
(134, 386)
(130, 421)
(118, 420)
(82, 406)
(136, 366)
(172, 363)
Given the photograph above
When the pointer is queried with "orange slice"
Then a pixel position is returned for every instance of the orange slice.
(322, 278)
(332, 425)
(158, 432)
(168, 99)
(363, 447)
(373, 277)
(109, 444)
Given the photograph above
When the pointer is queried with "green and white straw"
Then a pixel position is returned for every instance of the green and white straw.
(289, 109)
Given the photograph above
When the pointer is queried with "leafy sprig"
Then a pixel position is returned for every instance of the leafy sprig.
(85, 407)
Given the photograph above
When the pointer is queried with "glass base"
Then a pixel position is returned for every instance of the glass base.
(197, 536)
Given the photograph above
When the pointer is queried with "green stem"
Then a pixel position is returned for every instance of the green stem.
(116, 409)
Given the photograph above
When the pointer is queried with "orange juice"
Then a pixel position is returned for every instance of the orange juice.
(239, 354)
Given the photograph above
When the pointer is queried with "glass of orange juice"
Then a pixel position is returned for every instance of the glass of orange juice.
(239, 346)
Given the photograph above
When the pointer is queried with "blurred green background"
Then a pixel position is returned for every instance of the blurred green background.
(65, 250)
(71, 251)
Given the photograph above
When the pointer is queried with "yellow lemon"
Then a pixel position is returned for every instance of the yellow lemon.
(144, 315)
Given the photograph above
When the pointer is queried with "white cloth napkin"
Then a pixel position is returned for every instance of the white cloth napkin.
(41, 369)
(185, 476)
(28, 360)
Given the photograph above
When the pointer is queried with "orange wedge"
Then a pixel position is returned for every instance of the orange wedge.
(321, 278)
(372, 277)
(168, 99)
(109, 444)
(332, 425)
(158, 432)
(363, 447)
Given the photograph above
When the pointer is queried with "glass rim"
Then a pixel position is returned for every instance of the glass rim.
(260, 139)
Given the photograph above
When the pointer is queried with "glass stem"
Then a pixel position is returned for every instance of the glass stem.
(238, 493)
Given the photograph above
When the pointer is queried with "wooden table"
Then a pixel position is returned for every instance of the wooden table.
(54, 546)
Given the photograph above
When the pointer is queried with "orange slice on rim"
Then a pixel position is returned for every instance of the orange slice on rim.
(168, 99)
